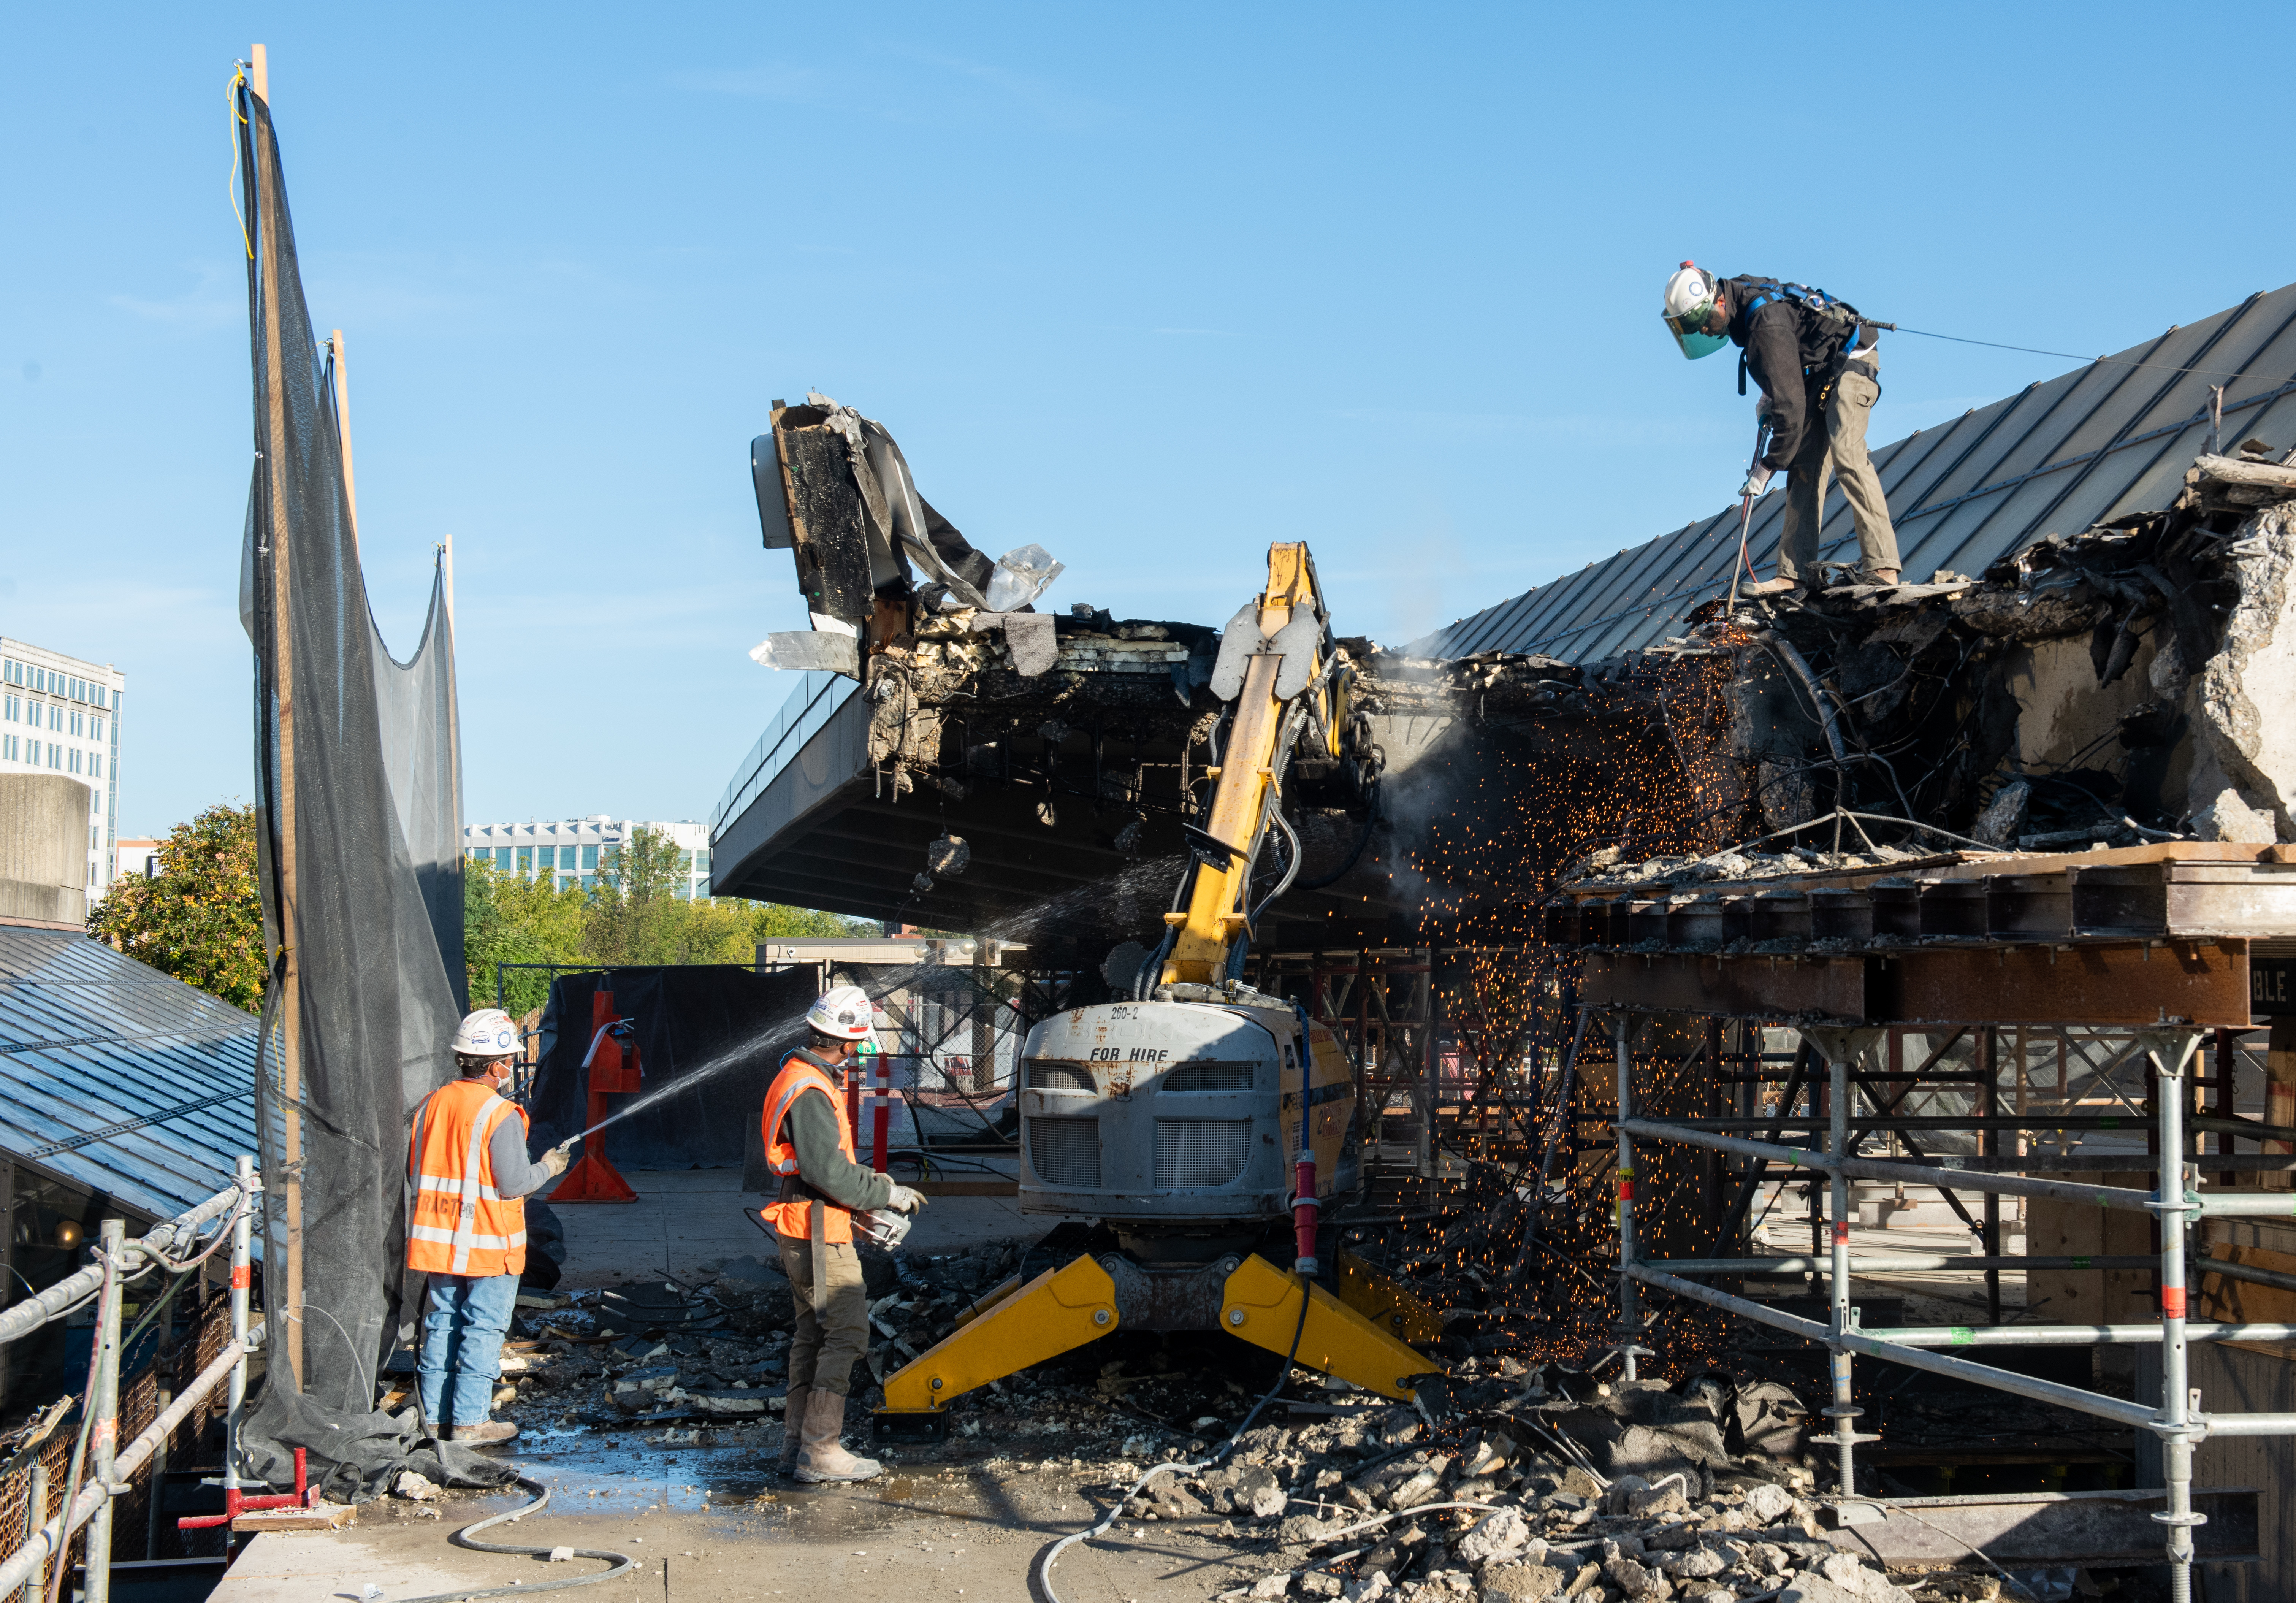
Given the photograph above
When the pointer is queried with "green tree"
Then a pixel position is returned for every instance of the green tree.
(632, 915)
(200, 917)
(510, 918)
(635, 916)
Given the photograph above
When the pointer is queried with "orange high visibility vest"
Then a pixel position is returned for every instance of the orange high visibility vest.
(460, 1225)
(794, 1218)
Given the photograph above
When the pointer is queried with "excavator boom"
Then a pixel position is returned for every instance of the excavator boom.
(1201, 1123)
(1279, 648)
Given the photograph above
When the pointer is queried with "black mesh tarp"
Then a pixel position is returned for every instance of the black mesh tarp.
(688, 1019)
(355, 772)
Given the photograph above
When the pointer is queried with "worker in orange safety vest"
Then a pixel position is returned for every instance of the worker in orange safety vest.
(810, 1144)
(466, 1172)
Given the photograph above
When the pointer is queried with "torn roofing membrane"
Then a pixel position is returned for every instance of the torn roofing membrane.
(2107, 438)
(90, 1039)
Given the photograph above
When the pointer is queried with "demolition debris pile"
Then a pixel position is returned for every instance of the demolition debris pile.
(2102, 688)
(1573, 1488)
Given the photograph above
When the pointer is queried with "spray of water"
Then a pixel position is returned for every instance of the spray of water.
(1094, 901)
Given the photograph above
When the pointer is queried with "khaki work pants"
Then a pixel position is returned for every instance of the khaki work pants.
(1836, 445)
(825, 1347)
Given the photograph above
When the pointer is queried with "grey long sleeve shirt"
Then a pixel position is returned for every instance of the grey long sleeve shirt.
(812, 1123)
(514, 1174)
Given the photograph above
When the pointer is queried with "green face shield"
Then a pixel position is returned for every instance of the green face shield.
(1689, 331)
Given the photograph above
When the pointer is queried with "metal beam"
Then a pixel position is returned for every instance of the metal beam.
(2126, 983)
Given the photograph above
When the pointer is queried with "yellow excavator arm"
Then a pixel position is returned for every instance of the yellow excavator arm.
(1285, 683)
(1280, 647)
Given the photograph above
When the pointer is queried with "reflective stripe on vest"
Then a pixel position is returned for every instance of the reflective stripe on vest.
(462, 1224)
(799, 1074)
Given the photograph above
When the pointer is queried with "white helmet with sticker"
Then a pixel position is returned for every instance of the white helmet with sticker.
(842, 1011)
(489, 1033)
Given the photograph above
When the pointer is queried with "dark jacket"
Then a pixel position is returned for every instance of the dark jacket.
(1793, 353)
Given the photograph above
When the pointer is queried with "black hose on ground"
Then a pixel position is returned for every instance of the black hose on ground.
(623, 1562)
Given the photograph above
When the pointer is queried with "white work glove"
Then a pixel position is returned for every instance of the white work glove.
(907, 1200)
(1756, 480)
(554, 1161)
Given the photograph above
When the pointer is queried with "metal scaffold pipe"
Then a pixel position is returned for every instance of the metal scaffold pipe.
(1890, 1263)
(2070, 1336)
(1958, 1179)
(2123, 1412)
(1629, 1324)
(2176, 1402)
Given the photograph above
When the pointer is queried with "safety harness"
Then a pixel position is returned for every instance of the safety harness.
(1839, 318)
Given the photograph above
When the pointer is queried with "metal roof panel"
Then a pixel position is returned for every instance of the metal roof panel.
(2102, 440)
(90, 1037)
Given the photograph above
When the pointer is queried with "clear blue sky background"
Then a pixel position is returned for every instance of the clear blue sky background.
(1150, 285)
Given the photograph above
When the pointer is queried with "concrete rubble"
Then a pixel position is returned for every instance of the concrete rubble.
(1572, 1487)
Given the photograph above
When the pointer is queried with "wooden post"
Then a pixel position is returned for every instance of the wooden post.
(343, 431)
(289, 1311)
(258, 75)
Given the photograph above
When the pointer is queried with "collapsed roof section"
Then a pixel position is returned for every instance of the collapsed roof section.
(1020, 774)
(834, 491)
(2093, 445)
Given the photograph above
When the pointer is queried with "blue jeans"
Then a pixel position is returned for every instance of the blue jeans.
(463, 1323)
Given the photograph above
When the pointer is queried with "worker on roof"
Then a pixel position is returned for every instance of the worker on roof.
(809, 1145)
(466, 1172)
(1818, 368)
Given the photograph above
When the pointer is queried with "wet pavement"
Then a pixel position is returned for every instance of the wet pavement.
(705, 1523)
(696, 1502)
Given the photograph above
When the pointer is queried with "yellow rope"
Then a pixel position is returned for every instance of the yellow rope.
(230, 101)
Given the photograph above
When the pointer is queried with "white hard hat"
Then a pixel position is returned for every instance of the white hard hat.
(489, 1033)
(1690, 297)
(842, 1011)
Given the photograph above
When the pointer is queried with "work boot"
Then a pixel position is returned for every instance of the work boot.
(479, 1434)
(1884, 576)
(1771, 587)
(824, 1457)
(792, 1428)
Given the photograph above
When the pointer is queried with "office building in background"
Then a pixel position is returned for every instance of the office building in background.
(572, 851)
(60, 715)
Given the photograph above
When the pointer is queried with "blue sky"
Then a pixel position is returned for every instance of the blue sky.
(1153, 286)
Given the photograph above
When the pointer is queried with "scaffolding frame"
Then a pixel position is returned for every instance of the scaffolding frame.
(2176, 1202)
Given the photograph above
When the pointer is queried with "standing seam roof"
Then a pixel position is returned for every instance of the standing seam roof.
(2056, 456)
(91, 1038)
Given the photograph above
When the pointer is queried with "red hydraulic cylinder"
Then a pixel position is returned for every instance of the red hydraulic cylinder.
(1305, 1212)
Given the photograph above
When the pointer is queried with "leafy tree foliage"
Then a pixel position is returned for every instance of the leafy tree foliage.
(633, 915)
(201, 919)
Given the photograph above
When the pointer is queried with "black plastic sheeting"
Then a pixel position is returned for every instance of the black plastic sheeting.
(378, 1000)
(353, 1457)
(689, 1018)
